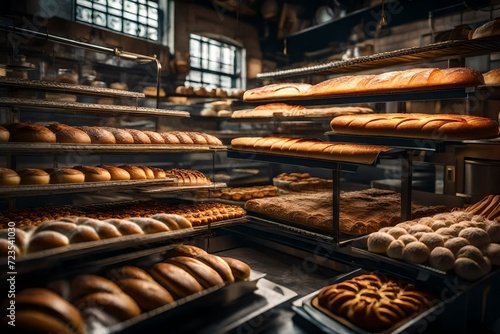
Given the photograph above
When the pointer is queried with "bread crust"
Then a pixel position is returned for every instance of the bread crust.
(9, 177)
(139, 136)
(278, 90)
(175, 279)
(121, 136)
(25, 132)
(98, 135)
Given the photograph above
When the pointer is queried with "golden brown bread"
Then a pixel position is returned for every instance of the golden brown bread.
(86, 284)
(4, 134)
(221, 266)
(25, 132)
(146, 293)
(203, 273)
(154, 137)
(46, 240)
(170, 138)
(186, 250)
(125, 227)
(173, 221)
(116, 173)
(135, 172)
(139, 136)
(9, 177)
(68, 134)
(118, 305)
(98, 135)
(149, 225)
(438, 127)
(121, 136)
(65, 175)
(175, 279)
(33, 176)
(490, 28)
(147, 171)
(492, 77)
(239, 269)
(128, 271)
(278, 90)
(94, 174)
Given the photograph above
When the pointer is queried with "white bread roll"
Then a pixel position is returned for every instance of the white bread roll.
(379, 241)
(442, 258)
(416, 252)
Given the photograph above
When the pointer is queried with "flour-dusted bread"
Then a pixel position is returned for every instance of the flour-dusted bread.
(276, 91)
(438, 127)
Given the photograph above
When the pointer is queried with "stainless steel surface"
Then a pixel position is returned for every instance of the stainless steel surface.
(89, 107)
(67, 88)
(482, 177)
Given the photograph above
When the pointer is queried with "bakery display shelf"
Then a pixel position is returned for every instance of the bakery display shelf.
(350, 165)
(328, 324)
(72, 107)
(55, 257)
(174, 188)
(67, 88)
(61, 148)
(60, 188)
(325, 119)
(405, 56)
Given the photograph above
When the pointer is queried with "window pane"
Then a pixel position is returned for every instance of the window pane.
(83, 14)
(153, 13)
(118, 4)
(102, 2)
(130, 16)
(141, 30)
(84, 3)
(153, 34)
(116, 12)
(151, 4)
(130, 27)
(143, 20)
(99, 18)
(114, 23)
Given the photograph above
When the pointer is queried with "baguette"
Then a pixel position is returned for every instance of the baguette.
(278, 90)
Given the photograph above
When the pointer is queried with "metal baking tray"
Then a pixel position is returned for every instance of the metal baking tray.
(59, 148)
(327, 324)
(89, 107)
(43, 189)
(284, 158)
(67, 88)
(405, 56)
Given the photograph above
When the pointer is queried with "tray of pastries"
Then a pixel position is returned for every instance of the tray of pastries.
(368, 302)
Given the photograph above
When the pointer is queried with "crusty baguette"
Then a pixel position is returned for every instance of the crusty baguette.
(278, 90)
(492, 77)
(437, 127)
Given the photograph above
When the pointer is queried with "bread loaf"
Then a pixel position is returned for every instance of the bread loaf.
(136, 173)
(154, 137)
(25, 132)
(488, 29)
(438, 127)
(276, 91)
(33, 176)
(94, 174)
(98, 135)
(4, 134)
(68, 134)
(121, 136)
(116, 173)
(203, 273)
(175, 279)
(9, 177)
(492, 77)
(139, 136)
(148, 294)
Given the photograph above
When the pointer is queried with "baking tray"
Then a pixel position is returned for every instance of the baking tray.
(43, 189)
(60, 148)
(305, 309)
(67, 88)
(89, 107)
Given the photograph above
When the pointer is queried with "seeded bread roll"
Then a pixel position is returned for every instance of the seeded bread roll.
(4, 134)
(94, 174)
(116, 173)
(68, 134)
(139, 136)
(175, 279)
(33, 176)
(121, 136)
(154, 137)
(25, 132)
(98, 135)
(9, 177)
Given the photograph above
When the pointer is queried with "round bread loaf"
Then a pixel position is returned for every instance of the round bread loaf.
(125, 227)
(105, 230)
(159, 173)
(396, 232)
(139, 136)
(492, 251)
(471, 252)
(475, 235)
(419, 228)
(65, 175)
(186, 250)
(149, 225)
(9, 177)
(442, 258)
(86, 284)
(116, 173)
(33, 176)
(437, 224)
(62, 227)
(94, 174)
(46, 240)
(416, 252)
(170, 138)
(25, 132)
(455, 244)
(173, 221)
(183, 137)
(135, 172)
(432, 240)
(20, 239)
(407, 238)
(68, 134)
(203, 273)
(468, 269)
(239, 269)
(395, 249)
(149, 173)
(379, 241)
(6, 248)
(121, 136)
(493, 231)
(118, 305)
(447, 232)
(219, 265)
(4, 134)
(149, 295)
(83, 233)
(128, 272)
(40, 310)
(175, 279)
(98, 135)
(154, 137)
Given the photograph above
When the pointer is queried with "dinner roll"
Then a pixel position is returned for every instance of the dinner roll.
(407, 238)
(94, 174)
(395, 249)
(65, 175)
(432, 240)
(149, 225)
(83, 233)
(128, 272)
(119, 305)
(116, 173)
(455, 244)
(396, 232)
(492, 251)
(493, 231)
(379, 241)
(33, 176)
(475, 235)
(186, 250)
(416, 252)
(9, 177)
(442, 258)
(159, 173)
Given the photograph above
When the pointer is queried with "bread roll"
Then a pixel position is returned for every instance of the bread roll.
(65, 175)
(493, 231)
(57, 226)
(116, 173)
(416, 252)
(432, 240)
(20, 239)
(407, 238)
(211, 139)
(33, 176)
(492, 77)
(124, 272)
(396, 232)
(203, 273)
(9, 177)
(395, 249)
(276, 91)
(86, 284)
(83, 233)
(4, 134)
(69, 134)
(154, 137)
(105, 230)
(149, 173)
(121, 136)
(442, 258)
(490, 28)
(149, 295)
(159, 173)
(492, 251)
(24, 132)
(136, 173)
(98, 135)
(197, 138)
(46, 240)
(118, 305)
(219, 265)
(379, 241)
(240, 270)
(175, 279)
(125, 227)
(139, 136)
(475, 235)
(40, 310)
(94, 174)
(186, 250)
(173, 221)
(468, 269)
(455, 244)
(170, 138)
(149, 225)
(183, 137)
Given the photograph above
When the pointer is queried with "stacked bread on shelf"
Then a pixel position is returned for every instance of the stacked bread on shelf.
(411, 79)
(286, 110)
(62, 133)
(82, 303)
(188, 177)
(457, 241)
(244, 193)
(372, 302)
(301, 182)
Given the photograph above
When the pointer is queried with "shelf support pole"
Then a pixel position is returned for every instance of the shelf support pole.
(336, 203)
(406, 185)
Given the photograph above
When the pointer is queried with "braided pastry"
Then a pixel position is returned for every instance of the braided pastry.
(372, 302)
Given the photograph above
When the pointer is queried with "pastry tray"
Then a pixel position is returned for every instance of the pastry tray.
(30, 190)
(88, 107)
(67, 88)
(60, 148)
(304, 308)
(79, 251)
